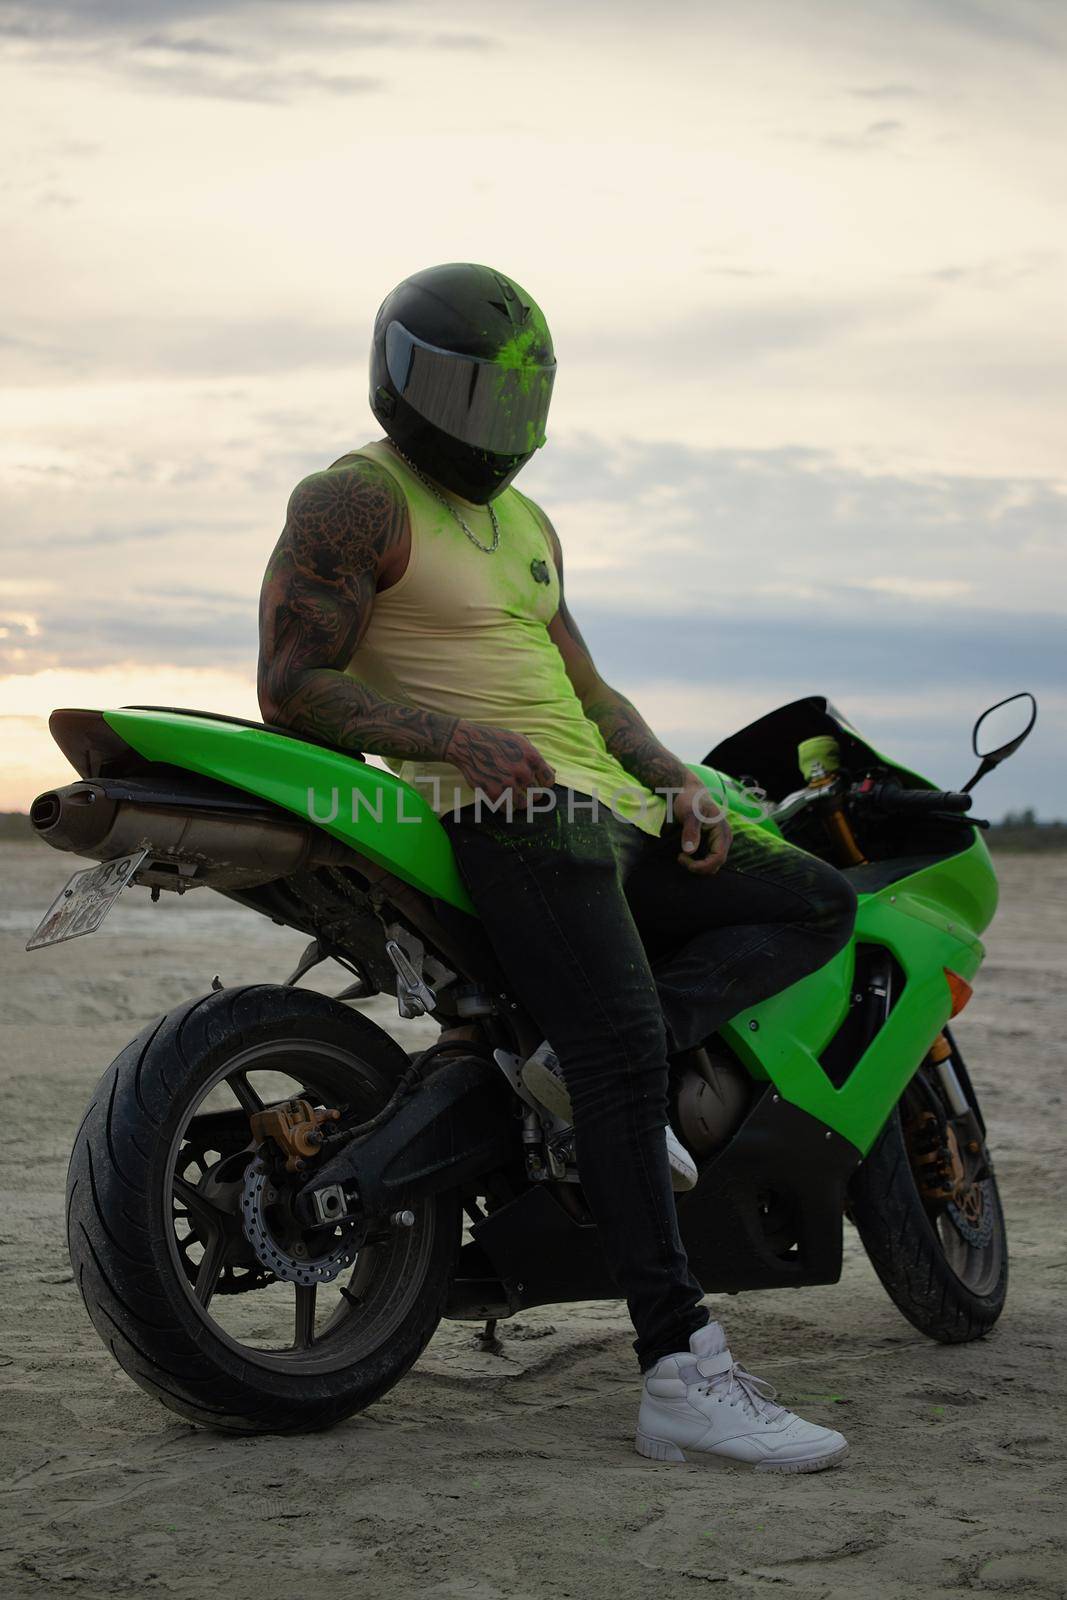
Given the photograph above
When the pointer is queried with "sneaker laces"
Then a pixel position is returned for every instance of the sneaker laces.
(754, 1395)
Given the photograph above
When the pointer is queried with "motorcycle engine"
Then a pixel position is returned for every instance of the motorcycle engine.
(713, 1095)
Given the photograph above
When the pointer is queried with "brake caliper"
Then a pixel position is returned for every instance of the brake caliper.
(296, 1126)
(287, 1136)
(936, 1158)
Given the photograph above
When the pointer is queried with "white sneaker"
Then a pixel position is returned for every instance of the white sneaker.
(683, 1167)
(699, 1405)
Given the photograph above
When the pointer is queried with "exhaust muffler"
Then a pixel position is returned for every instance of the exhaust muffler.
(190, 842)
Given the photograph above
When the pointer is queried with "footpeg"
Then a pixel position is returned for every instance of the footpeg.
(414, 998)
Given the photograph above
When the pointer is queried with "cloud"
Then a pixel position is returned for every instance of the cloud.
(776, 530)
(42, 19)
(1032, 23)
(919, 588)
(250, 26)
(751, 577)
(838, 646)
(998, 272)
(265, 85)
(190, 47)
(802, 558)
(246, 61)
(739, 272)
(92, 635)
(248, 65)
(176, 347)
(708, 338)
(886, 91)
(463, 41)
(872, 137)
(715, 336)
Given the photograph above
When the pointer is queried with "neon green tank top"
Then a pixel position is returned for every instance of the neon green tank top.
(466, 634)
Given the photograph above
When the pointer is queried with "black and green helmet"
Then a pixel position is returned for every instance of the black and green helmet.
(461, 375)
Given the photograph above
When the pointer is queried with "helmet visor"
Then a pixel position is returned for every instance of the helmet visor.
(488, 404)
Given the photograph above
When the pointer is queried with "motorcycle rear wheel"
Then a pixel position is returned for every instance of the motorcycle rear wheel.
(945, 1271)
(154, 1220)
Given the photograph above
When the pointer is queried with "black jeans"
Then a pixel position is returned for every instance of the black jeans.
(620, 955)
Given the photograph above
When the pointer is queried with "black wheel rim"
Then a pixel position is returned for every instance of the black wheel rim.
(974, 1254)
(281, 1327)
(968, 1226)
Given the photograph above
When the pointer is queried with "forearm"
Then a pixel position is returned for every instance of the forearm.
(632, 742)
(336, 706)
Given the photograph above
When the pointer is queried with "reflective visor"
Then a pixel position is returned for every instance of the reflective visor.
(487, 404)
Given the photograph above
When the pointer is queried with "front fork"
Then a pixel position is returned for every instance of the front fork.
(946, 1139)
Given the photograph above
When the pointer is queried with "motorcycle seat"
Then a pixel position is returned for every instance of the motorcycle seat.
(264, 727)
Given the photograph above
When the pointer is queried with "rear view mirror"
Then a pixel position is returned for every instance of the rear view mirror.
(1000, 731)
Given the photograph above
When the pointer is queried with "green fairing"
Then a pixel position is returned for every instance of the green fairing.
(930, 921)
(305, 779)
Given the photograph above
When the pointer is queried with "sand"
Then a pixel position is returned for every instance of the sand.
(487, 1477)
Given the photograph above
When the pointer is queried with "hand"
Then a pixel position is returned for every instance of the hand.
(494, 760)
(698, 813)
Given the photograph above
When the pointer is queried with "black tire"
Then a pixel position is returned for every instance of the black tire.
(121, 1221)
(952, 1303)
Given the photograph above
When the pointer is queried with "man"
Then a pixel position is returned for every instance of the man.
(414, 609)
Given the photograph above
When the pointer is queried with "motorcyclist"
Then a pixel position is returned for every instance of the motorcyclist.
(414, 608)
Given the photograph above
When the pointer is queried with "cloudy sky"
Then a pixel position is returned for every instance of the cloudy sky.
(804, 266)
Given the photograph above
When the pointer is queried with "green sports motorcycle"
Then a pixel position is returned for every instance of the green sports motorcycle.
(271, 1205)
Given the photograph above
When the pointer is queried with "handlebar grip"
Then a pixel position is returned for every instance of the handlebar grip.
(892, 797)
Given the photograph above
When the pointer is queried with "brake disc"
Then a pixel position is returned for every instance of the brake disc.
(220, 1136)
(971, 1215)
(257, 1197)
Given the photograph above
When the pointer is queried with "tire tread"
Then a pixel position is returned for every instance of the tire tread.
(121, 1261)
(905, 1251)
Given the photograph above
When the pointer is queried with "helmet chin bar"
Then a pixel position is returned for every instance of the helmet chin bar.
(476, 475)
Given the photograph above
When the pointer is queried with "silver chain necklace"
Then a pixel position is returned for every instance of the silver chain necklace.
(487, 549)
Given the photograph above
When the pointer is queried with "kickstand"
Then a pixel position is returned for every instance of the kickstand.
(487, 1340)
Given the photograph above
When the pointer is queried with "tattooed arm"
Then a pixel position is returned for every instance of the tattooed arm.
(629, 737)
(346, 534)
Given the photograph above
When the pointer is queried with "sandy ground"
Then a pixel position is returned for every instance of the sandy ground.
(487, 1477)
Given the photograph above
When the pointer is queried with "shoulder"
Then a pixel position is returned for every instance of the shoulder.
(355, 493)
(541, 518)
(347, 521)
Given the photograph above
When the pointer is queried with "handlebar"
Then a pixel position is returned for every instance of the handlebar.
(890, 796)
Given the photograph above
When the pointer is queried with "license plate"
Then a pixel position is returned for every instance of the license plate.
(85, 900)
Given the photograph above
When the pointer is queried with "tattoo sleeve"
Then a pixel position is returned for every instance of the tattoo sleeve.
(632, 742)
(315, 606)
(624, 730)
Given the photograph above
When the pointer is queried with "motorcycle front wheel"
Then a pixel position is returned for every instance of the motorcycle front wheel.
(928, 1211)
(158, 1208)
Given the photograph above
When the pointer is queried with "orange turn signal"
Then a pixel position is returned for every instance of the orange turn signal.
(959, 989)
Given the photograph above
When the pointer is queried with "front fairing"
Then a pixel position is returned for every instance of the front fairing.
(765, 753)
(928, 911)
